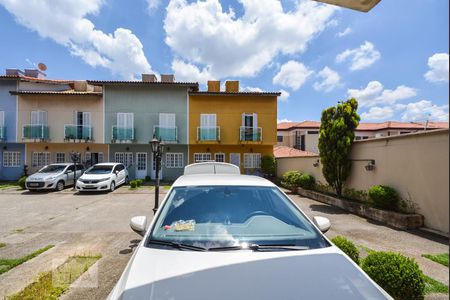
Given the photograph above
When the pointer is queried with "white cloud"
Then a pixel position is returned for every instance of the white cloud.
(189, 72)
(283, 120)
(438, 64)
(284, 96)
(360, 58)
(330, 79)
(378, 113)
(203, 33)
(251, 89)
(425, 110)
(292, 74)
(153, 5)
(345, 32)
(375, 94)
(65, 22)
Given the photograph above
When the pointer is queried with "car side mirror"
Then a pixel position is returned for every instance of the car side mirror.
(138, 224)
(322, 223)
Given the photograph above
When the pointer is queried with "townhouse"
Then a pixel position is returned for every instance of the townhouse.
(137, 111)
(305, 135)
(232, 126)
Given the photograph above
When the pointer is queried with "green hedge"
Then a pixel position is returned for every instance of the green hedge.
(291, 178)
(133, 184)
(307, 181)
(21, 182)
(347, 247)
(384, 197)
(398, 275)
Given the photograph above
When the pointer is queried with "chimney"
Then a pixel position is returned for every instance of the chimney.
(214, 86)
(167, 78)
(232, 86)
(35, 73)
(13, 72)
(149, 78)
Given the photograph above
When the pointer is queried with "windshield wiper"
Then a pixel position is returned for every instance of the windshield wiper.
(256, 247)
(177, 245)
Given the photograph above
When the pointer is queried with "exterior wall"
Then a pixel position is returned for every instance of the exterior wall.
(229, 110)
(167, 173)
(227, 149)
(67, 148)
(42, 86)
(8, 104)
(11, 173)
(416, 165)
(60, 111)
(146, 102)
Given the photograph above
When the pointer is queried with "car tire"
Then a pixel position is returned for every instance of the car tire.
(59, 186)
(112, 186)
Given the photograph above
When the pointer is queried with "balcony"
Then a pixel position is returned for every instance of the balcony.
(166, 134)
(208, 134)
(250, 134)
(77, 132)
(123, 133)
(2, 133)
(40, 132)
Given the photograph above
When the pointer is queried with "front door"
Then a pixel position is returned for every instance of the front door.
(235, 159)
(141, 165)
(153, 175)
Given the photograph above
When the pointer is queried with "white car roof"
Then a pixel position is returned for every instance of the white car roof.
(221, 179)
(211, 168)
(108, 164)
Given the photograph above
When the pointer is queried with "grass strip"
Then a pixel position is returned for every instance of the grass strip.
(52, 284)
(2, 245)
(439, 258)
(8, 264)
(434, 286)
(7, 186)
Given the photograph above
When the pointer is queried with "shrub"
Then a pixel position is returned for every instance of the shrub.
(307, 181)
(147, 178)
(139, 182)
(21, 182)
(133, 184)
(292, 178)
(268, 165)
(398, 275)
(356, 195)
(347, 247)
(384, 197)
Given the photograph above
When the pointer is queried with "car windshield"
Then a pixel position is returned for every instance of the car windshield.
(226, 216)
(99, 170)
(52, 169)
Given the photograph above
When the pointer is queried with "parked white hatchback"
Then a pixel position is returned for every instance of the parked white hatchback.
(53, 177)
(222, 235)
(102, 177)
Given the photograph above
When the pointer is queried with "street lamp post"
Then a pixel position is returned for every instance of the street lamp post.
(75, 156)
(157, 150)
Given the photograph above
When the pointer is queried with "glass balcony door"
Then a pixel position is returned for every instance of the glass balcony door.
(208, 127)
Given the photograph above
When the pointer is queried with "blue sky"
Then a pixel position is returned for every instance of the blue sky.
(394, 59)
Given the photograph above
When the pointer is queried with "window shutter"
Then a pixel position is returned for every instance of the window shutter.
(120, 120)
(86, 118)
(130, 120)
(34, 117)
(42, 117)
(255, 120)
(2, 118)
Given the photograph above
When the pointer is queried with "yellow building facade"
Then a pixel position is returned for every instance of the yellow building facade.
(232, 126)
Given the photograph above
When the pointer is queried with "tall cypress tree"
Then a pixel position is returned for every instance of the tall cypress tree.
(337, 133)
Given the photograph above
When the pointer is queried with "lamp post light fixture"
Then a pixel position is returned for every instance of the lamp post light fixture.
(75, 157)
(157, 150)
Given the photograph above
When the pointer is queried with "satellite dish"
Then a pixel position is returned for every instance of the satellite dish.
(42, 66)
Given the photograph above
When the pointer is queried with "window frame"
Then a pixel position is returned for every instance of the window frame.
(11, 159)
(202, 154)
(176, 162)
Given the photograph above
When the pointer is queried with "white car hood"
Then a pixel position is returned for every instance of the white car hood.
(313, 274)
(95, 176)
(42, 176)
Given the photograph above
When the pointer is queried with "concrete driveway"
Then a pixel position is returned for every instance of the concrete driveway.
(98, 223)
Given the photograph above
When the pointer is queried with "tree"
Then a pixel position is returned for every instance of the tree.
(268, 165)
(337, 129)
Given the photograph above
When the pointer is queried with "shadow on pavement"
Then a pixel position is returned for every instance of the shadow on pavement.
(133, 244)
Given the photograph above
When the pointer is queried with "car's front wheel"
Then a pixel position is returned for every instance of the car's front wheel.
(112, 186)
(59, 186)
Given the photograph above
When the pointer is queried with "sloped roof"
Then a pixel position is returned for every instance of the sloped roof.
(367, 126)
(285, 151)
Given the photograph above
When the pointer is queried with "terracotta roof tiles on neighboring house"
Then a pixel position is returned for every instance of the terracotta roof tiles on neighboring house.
(66, 92)
(33, 79)
(284, 151)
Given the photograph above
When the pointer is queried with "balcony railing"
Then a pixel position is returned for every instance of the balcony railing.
(250, 134)
(2, 133)
(77, 132)
(123, 133)
(166, 134)
(33, 131)
(208, 133)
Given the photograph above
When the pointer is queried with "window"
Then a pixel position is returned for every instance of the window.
(252, 160)
(208, 128)
(279, 138)
(11, 159)
(250, 120)
(167, 120)
(40, 159)
(202, 157)
(38, 117)
(125, 158)
(100, 157)
(357, 138)
(125, 120)
(87, 156)
(174, 160)
(235, 159)
(313, 132)
(2, 118)
(219, 157)
(60, 157)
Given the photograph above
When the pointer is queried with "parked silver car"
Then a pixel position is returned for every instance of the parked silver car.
(54, 177)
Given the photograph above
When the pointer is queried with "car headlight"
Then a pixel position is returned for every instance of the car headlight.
(104, 179)
(50, 178)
